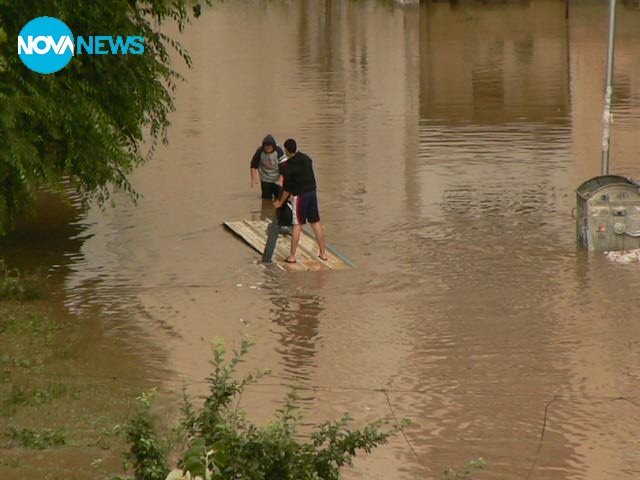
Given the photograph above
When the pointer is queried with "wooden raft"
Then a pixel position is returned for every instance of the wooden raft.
(254, 232)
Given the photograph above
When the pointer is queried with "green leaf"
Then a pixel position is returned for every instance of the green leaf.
(195, 466)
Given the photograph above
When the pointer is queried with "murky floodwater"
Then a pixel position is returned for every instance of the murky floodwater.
(448, 141)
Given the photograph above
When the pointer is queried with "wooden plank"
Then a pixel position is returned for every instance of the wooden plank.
(283, 247)
(308, 243)
(259, 227)
(305, 247)
(334, 260)
(254, 238)
(304, 255)
(307, 254)
(242, 230)
(254, 233)
(345, 262)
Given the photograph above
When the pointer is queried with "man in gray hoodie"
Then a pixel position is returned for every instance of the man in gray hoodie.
(264, 166)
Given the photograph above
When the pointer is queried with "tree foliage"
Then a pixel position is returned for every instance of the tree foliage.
(95, 120)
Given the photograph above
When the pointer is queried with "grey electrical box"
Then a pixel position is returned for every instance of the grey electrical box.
(608, 213)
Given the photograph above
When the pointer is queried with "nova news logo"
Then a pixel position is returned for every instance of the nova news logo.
(46, 45)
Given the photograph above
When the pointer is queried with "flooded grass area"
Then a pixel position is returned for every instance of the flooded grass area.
(59, 412)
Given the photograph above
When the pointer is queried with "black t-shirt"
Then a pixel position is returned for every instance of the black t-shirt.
(298, 175)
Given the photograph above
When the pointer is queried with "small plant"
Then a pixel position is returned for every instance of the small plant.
(14, 286)
(222, 444)
(148, 455)
(9, 282)
(38, 440)
(467, 474)
(9, 462)
(21, 396)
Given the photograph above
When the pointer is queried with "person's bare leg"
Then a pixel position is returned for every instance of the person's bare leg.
(318, 230)
(295, 239)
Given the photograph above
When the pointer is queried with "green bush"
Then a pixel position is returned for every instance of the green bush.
(148, 455)
(220, 443)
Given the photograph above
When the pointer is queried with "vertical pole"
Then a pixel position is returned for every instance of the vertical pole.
(608, 90)
(272, 239)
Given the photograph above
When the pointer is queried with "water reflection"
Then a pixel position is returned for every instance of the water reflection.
(47, 240)
(296, 313)
(56, 242)
(490, 65)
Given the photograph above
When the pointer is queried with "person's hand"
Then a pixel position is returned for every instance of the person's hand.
(253, 183)
(277, 204)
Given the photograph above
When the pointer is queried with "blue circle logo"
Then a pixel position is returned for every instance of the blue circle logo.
(45, 45)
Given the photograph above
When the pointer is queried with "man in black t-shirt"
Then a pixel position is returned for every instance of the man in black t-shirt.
(300, 187)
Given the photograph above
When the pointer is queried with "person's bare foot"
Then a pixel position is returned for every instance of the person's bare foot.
(323, 256)
(290, 260)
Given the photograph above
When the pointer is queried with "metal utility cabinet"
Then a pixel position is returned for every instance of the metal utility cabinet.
(608, 213)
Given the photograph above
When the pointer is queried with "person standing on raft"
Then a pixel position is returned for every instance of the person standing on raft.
(300, 188)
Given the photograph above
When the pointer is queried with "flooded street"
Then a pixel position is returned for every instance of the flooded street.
(448, 141)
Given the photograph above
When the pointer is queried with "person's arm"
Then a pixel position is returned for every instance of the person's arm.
(255, 177)
(283, 198)
(255, 163)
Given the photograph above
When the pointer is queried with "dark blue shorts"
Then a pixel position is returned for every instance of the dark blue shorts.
(305, 208)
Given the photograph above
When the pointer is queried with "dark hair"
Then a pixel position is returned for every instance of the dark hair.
(291, 145)
(269, 140)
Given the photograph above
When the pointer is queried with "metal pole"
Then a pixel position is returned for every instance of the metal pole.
(608, 91)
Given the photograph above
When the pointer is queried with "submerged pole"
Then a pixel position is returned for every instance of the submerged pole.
(608, 91)
(272, 238)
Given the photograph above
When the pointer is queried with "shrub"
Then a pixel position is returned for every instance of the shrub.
(222, 444)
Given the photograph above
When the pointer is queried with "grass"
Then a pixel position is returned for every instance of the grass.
(9, 462)
(51, 399)
(15, 286)
(22, 395)
(37, 440)
(27, 338)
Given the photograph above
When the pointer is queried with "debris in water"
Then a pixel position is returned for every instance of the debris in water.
(624, 256)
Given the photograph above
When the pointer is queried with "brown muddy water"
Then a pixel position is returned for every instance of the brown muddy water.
(448, 141)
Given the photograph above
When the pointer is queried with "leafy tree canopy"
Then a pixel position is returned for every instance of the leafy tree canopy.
(94, 121)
